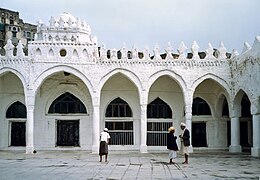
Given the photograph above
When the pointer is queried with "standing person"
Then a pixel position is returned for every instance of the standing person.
(185, 142)
(172, 145)
(103, 148)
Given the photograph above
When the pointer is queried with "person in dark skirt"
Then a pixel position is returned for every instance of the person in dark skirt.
(103, 147)
(172, 145)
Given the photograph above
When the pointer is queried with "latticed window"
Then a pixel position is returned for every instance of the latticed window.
(200, 107)
(16, 110)
(121, 132)
(157, 129)
(118, 108)
(158, 109)
(157, 133)
(67, 103)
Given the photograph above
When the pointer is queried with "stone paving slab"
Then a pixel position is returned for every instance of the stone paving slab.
(60, 165)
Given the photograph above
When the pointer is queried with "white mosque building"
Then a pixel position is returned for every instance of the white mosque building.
(68, 88)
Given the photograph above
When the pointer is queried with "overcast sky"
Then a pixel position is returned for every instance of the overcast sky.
(147, 22)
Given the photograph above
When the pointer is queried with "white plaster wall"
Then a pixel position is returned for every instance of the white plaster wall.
(170, 92)
(11, 91)
(45, 124)
(119, 86)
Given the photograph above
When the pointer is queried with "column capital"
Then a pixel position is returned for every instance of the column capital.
(96, 100)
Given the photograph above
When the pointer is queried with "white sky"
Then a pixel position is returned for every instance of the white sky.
(147, 22)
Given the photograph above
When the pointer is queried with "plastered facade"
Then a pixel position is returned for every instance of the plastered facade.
(96, 78)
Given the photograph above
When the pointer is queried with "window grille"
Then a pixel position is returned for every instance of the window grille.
(67, 103)
(121, 133)
(157, 133)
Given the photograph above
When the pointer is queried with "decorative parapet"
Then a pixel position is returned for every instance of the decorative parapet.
(84, 53)
(179, 63)
(249, 55)
(10, 58)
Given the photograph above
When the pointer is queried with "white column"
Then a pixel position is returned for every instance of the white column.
(143, 128)
(188, 121)
(188, 99)
(255, 150)
(30, 99)
(95, 128)
(235, 135)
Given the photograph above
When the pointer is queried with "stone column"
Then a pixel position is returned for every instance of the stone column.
(188, 97)
(95, 125)
(143, 128)
(30, 101)
(255, 150)
(235, 135)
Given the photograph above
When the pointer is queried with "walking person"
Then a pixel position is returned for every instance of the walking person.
(185, 142)
(172, 145)
(103, 147)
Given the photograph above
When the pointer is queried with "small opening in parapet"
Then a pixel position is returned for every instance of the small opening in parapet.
(63, 52)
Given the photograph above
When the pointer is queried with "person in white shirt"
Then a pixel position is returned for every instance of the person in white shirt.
(103, 148)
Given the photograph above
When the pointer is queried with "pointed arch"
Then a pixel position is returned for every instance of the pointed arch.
(176, 77)
(200, 107)
(128, 74)
(118, 108)
(51, 53)
(85, 53)
(16, 110)
(38, 52)
(67, 103)
(42, 77)
(18, 74)
(217, 79)
(75, 53)
(159, 109)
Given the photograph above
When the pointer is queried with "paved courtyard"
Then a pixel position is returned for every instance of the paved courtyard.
(126, 165)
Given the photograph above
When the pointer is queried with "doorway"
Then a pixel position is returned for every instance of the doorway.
(199, 134)
(67, 132)
(18, 133)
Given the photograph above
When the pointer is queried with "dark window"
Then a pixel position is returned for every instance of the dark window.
(245, 105)
(11, 21)
(200, 107)
(158, 109)
(14, 34)
(118, 108)
(16, 110)
(199, 135)
(225, 110)
(3, 20)
(67, 103)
